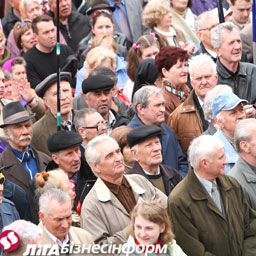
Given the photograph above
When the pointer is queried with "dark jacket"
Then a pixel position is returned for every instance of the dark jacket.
(171, 150)
(199, 226)
(242, 82)
(170, 176)
(8, 22)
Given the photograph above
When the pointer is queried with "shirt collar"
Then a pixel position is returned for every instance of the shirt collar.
(150, 174)
(56, 240)
(205, 183)
(20, 155)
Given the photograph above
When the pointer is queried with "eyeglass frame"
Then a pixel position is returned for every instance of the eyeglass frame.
(104, 123)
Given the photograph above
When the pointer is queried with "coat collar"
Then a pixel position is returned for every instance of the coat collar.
(247, 172)
(104, 194)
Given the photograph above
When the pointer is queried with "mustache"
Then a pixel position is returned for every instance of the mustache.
(27, 137)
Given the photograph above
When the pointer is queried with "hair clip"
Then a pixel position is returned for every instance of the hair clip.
(153, 35)
(135, 46)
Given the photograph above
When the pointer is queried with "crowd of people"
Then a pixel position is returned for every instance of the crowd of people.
(148, 144)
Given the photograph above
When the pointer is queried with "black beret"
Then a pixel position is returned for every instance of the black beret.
(141, 133)
(49, 80)
(97, 83)
(62, 140)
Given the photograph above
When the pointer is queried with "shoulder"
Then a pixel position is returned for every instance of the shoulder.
(83, 235)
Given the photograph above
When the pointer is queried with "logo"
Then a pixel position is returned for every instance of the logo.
(9, 240)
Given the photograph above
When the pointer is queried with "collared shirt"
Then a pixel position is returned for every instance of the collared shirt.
(252, 167)
(206, 184)
(123, 193)
(67, 125)
(56, 240)
(158, 172)
(111, 122)
(116, 14)
(27, 159)
(230, 140)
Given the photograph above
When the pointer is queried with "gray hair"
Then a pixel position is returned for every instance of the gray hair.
(211, 95)
(53, 194)
(200, 19)
(216, 35)
(81, 115)
(142, 95)
(27, 231)
(203, 147)
(28, 2)
(200, 60)
(242, 131)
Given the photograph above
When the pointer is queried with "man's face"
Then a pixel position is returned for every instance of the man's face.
(93, 120)
(149, 153)
(203, 79)
(65, 8)
(252, 143)
(100, 100)
(50, 98)
(205, 34)
(153, 114)
(59, 220)
(46, 37)
(33, 10)
(241, 10)
(231, 48)
(19, 73)
(230, 117)
(111, 165)
(1, 84)
(68, 160)
(215, 168)
(19, 135)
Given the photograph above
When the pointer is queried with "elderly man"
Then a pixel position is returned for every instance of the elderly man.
(47, 125)
(149, 105)
(73, 25)
(98, 95)
(19, 160)
(238, 75)
(106, 209)
(245, 168)
(145, 145)
(55, 212)
(227, 109)
(241, 10)
(45, 51)
(209, 212)
(187, 120)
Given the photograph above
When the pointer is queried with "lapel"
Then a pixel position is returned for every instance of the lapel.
(198, 193)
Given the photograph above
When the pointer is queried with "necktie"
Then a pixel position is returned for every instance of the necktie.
(124, 26)
(216, 196)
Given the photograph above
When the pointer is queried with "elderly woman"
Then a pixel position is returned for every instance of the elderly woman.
(183, 18)
(158, 17)
(150, 228)
(171, 63)
(4, 52)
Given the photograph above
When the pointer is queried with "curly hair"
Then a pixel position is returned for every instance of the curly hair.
(154, 12)
(154, 212)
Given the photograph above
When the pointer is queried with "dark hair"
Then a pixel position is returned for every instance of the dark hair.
(101, 13)
(234, 1)
(38, 19)
(120, 135)
(190, 3)
(169, 56)
(18, 61)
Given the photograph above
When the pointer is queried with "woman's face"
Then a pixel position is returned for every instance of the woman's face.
(147, 232)
(103, 26)
(179, 5)
(177, 74)
(150, 52)
(28, 40)
(2, 46)
(166, 20)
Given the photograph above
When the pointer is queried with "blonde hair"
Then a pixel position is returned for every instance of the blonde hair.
(97, 55)
(154, 212)
(2, 36)
(154, 12)
(97, 41)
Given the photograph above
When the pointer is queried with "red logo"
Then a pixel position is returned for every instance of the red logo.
(9, 240)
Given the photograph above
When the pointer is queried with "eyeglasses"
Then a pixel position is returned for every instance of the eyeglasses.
(99, 12)
(98, 126)
(209, 28)
(23, 23)
(2, 179)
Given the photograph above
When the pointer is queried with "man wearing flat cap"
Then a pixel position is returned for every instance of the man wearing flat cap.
(47, 125)
(227, 109)
(98, 95)
(20, 161)
(145, 145)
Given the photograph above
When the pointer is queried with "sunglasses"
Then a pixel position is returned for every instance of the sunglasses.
(23, 23)
(2, 179)
(98, 12)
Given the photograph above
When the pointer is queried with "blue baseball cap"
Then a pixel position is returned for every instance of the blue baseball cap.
(226, 101)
